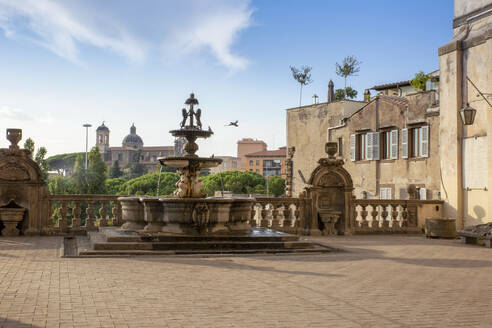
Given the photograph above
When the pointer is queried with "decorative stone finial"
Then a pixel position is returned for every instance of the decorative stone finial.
(14, 136)
(331, 149)
(331, 91)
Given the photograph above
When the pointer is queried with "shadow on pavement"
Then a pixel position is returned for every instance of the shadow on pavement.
(7, 323)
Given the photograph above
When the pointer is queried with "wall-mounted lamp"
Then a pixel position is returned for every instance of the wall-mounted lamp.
(468, 113)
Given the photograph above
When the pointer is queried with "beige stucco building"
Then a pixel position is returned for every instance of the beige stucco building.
(247, 146)
(466, 152)
(229, 163)
(388, 143)
(307, 128)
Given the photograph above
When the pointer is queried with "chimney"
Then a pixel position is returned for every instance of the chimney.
(331, 92)
(367, 95)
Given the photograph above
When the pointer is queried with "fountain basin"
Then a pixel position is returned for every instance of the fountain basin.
(187, 216)
(184, 161)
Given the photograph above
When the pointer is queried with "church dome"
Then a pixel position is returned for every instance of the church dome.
(102, 127)
(133, 140)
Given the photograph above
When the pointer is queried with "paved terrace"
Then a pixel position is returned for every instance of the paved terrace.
(378, 281)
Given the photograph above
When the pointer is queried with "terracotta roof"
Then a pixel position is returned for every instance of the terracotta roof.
(281, 152)
(391, 85)
(394, 99)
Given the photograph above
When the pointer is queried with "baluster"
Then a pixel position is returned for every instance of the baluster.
(62, 220)
(103, 213)
(76, 214)
(374, 213)
(264, 215)
(116, 210)
(275, 214)
(89, 221)
(363, 214)
(404, 215)
(297, 219)
(394, 217)
(252, 221)
(384, 217)
(287, 218)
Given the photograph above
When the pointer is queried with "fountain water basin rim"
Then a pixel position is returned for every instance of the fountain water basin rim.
(185, 161)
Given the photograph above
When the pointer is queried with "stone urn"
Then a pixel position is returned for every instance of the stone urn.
(11, 218)
(331, 148)
(14, 136)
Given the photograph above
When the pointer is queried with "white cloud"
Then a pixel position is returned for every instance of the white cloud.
(179, 28)
(14, 114)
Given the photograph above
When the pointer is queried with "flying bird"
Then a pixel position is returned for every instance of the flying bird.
(233, 124)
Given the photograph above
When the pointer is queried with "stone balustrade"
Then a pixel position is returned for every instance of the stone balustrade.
(283, 214)
(79, 213)
(392, 215)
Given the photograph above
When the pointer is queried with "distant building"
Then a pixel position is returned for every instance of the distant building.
(403, 88)
(267, 162)
(229, 163)
(132, 149)
(247, 146)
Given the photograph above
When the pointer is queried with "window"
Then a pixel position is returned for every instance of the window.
(257, 171)
(251, 163)
(120, 156)
(415, 142)
(385, 193)
(364, 146)
(340, 147)
(389, 144)
(257, 162)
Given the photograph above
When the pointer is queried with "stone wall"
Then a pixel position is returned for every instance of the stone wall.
(307, 131)
(469, 54)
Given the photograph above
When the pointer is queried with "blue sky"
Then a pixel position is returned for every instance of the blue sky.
(64, 63)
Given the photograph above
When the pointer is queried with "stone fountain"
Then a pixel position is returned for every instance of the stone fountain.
(189, 222)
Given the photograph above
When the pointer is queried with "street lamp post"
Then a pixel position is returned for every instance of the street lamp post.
(86, 126)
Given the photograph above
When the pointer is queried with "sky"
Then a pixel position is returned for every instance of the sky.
(64, 63)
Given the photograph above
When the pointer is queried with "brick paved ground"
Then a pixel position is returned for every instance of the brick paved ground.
(379, 281)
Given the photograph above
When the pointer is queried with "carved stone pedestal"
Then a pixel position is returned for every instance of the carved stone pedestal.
(11, 218)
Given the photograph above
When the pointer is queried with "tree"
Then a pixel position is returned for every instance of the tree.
(419, 82)
(80, 175)
(115, 186)
(64, 162)
(147, 184)
(350, 66)
(60, 185)
(96, 172)
(43, 164)
(341, 94)
(238, 182)
(92, 180)
(115, 170)
(276, 185)
(29, 145)
(302, 76)
(135, 168)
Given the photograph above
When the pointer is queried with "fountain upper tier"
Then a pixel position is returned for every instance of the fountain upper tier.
(190, 164)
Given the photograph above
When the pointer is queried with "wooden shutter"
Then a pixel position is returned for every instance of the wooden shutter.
(422, 193)
(394, 144)
(404, 143)
(369, 146)
(424, 141)
(352, 147)
(375, 145)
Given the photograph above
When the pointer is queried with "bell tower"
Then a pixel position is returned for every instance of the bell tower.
(102, 138)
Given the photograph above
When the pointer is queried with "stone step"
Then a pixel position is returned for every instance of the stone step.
(123, 253)
(202, 245)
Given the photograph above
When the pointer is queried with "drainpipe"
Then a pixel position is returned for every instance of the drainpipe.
(342, 125)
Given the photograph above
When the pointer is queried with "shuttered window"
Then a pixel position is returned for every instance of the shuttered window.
(352, 147)
(394, 144)
(369, 146)
(404, 143)
(375, 145)
(424, 141)
(385, 193)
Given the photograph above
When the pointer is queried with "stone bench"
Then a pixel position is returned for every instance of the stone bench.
(471, 238)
